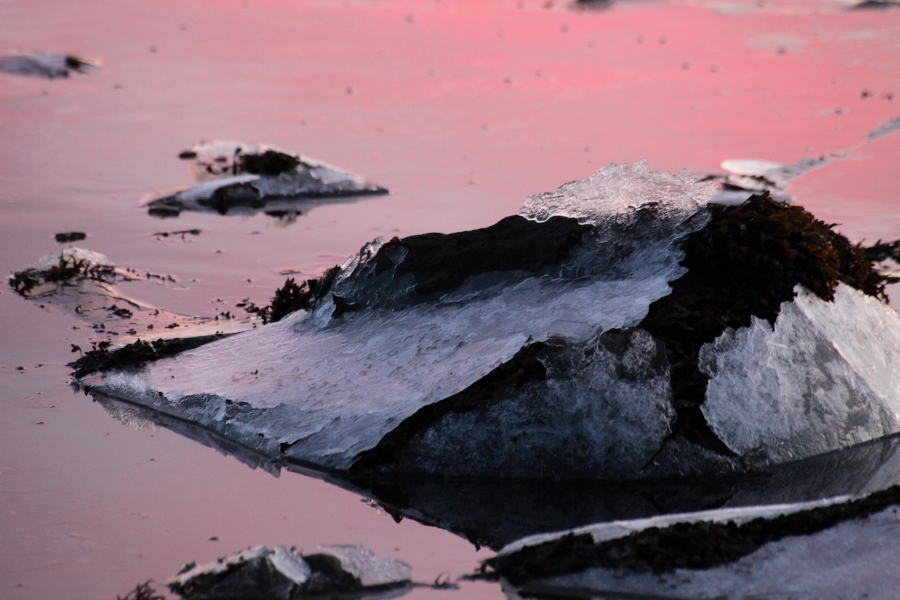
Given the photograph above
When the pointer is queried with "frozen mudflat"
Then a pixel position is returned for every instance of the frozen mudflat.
(550, 369)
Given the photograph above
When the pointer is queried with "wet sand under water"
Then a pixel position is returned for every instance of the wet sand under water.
(461, 109)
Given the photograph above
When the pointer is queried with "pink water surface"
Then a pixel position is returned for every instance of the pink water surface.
(461, 108)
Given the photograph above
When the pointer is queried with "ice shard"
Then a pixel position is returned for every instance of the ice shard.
(49, 66)
(827, 376)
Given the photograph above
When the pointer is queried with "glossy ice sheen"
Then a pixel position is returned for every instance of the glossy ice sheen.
(826, 378)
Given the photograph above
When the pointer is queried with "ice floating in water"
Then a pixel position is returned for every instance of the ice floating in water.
(747, 176)
(50, 66)
(239, 178)
(283, 574)
(81, 283)
(761, 175)
(538, 347)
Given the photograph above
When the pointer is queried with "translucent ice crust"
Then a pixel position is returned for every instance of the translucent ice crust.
(827, 376)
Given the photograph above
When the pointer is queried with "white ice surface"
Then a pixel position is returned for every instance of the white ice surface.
(854, 560)
(369, 569)
(88, 257)
(615, 190)
(827, 377)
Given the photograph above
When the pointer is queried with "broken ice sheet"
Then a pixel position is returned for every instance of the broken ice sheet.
(50, 66)
(244, 179)
(82, 284)
(285, 574)
(826, 377)
(836, 549)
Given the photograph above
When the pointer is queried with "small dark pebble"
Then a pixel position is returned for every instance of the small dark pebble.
(73, 236)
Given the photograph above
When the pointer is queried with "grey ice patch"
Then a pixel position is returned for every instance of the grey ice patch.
(886, 128)
(50, 66)
(826, 377)
(284, 574)
(603, 411)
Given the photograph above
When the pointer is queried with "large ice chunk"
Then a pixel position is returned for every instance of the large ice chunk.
(826, 377)
(322, 387)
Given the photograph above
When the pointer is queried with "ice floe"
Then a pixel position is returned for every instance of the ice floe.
(833, 549)
(552, 344)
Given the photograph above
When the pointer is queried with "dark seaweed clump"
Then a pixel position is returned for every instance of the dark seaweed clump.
(746, 262)
(67, 269)
(292, 296)
(441, 262)
(143, 591)
(881, 251)
(700, 545)
(72, 236)
(269, 162)
(101, 358)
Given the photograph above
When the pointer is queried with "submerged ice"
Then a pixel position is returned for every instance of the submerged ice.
(524, 349)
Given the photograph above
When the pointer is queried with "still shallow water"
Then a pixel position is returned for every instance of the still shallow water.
(460, 108)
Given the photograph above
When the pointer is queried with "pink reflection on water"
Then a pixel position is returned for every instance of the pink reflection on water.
(460, 108)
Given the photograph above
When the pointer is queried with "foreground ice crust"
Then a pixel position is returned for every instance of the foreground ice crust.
(826, 377)
(322, 390)
(852, 560)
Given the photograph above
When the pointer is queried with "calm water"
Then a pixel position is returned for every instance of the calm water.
(461, 108)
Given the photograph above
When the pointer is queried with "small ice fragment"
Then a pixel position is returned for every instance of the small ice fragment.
(283, 574)
(760, 175)
(50, 66)
(886, 128)
(237, 178)
(370, 571)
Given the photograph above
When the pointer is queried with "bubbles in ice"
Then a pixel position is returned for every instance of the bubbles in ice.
(615, 190)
